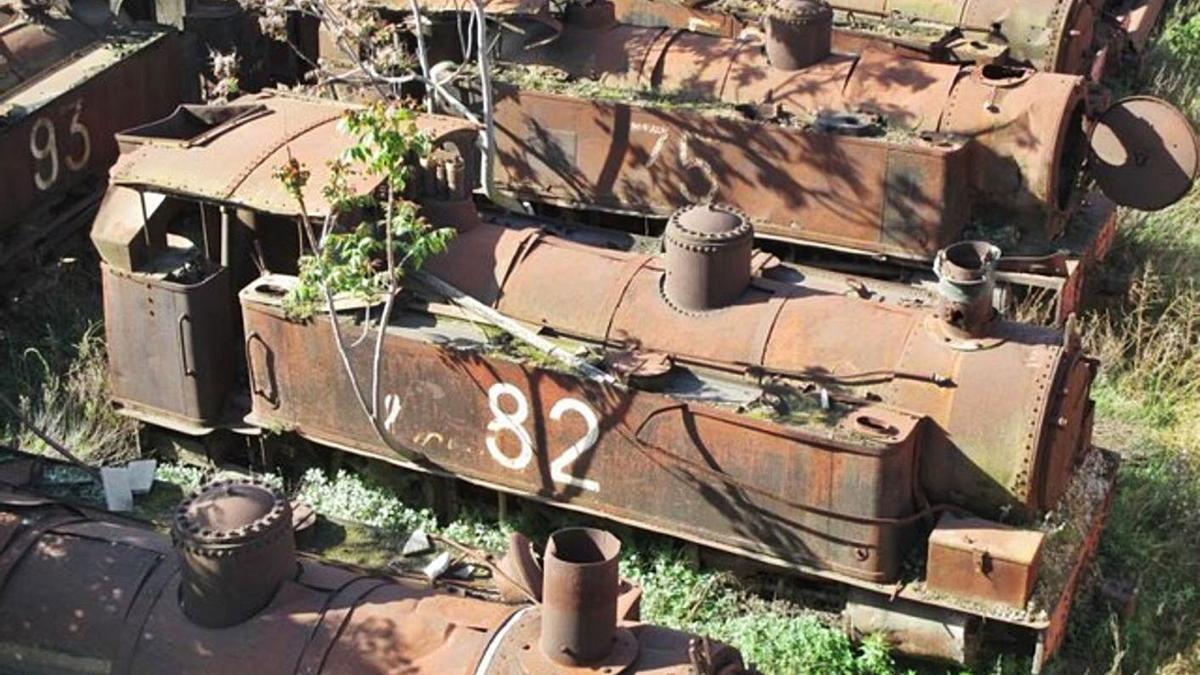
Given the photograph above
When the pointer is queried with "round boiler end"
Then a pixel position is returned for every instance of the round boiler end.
(580, 586)
(799, 33)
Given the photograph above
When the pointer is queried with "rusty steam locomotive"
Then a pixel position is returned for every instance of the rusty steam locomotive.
(872, 154)
(84, 591)
(58, 114)
(743, 405)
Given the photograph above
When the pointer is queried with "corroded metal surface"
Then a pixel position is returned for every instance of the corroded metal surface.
(82, 591)
(690, 468)
(1068, 36)
(58, 113)
(233, 161)
(579, 597)
(236, 547)
(1144, 154)
(707, 257)
(846, 192)
(982, 560)
(1051, 35)
(719, 105)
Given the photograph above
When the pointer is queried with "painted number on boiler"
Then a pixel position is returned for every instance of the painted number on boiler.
(43, 146)
(510, 412)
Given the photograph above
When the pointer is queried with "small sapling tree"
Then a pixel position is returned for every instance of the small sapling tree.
(366, 244)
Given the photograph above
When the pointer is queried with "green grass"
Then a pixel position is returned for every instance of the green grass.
(52, 362)
(1148, 408)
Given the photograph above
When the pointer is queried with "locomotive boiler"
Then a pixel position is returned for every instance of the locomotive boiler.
(742, 404)
(58, 114)
(85, 591)
(1079, 37)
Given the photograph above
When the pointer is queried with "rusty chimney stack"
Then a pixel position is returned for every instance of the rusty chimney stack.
(708, 251)
(236, 546)
(799, 33)
(579, 596)
(966, 274)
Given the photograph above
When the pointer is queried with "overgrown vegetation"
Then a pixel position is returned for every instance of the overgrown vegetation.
(52, 362)
(1146, 331)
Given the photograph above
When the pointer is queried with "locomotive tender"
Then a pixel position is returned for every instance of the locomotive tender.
(756, 412)
(85, 591)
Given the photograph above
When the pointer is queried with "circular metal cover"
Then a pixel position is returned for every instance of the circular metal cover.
(705, 222)
(1144, 153)
(231, 511)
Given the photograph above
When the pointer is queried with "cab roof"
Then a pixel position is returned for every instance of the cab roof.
(230, 153)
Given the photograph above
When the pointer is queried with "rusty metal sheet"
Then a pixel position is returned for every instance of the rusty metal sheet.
(33, 46)
(1144, 153)
(1029, 127)
(860, 193)
(236, 161)
(912, 94)
(193, 377)
(969, 460)
(660, 14)
(615, 55)
(84, 591)
(59, 123)
(92, 582)
(490, 7)
(1049, 35)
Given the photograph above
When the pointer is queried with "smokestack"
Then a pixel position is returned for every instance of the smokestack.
(966, 274)
(236, 545)
(579, 596)
(799, 33)
(708, 252)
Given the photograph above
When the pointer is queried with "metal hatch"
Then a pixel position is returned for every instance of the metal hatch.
(1144, 153)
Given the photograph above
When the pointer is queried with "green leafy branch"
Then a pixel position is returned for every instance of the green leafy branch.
(364, 248)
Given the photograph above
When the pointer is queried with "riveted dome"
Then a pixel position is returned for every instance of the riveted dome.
(707, 249)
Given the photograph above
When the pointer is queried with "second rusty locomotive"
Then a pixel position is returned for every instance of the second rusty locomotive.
(743, 404)
(869, 158)
(58, 70)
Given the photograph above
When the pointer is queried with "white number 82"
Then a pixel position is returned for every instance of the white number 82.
(514, 423)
